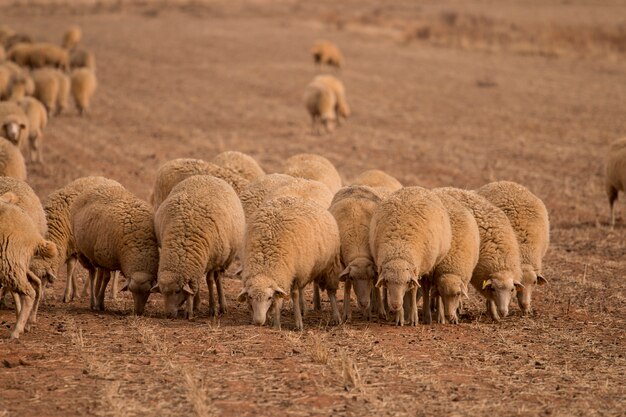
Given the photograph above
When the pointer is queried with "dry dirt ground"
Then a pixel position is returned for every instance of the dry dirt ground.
(443, 93)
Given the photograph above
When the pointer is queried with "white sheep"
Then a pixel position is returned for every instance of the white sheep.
(57, 211)
(383, 183)
(11, 161)
(529, 218)
(20, 53)
(14, 125)
(37, 121)
(410, 234)
(240, 163)
(72, 37)
(20, 242)
(41, 54)
(615, 170)
(258, 190)
(83, 86)
(305, 189)
(52, 88)
(320, 101)
(114, 230)
(342, 109)
(199, 236)
(313, 167)
(172, 172)
(498, 272)
(452, 275)
(289, 243)
(326, 52)
(353, 207)
(82, 58)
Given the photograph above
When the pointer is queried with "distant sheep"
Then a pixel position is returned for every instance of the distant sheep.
(305, 189)
(3, 53)
(353, 207)
(383, 183)
(52, 88)
(259, 190)
(199, 236)
(498, 272)
(321, 102)
(72, 37)
(342, 109)
(37, 121)
(172, 172)
(313, 167)
(289, 243)
(240, 163)
(16, 39)
(39, 55)
(615, 180)
(82, 58)
(11, 161)
(410, 234)
(327, 53)
(14, 125)
(83, 86)
(529, 218)
(20, 53)
(114, 231)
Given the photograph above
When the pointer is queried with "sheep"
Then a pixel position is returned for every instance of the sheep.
(383, 183)
(353, 207)
(114, 230)
(82, 58)
(342, 109)
(410, 234)
(16, 39)
(5, 82)
(5, 33)
(83, 85)
(320, 101)
(15, 82)
(498, 272)
(240, 163)
(452, 275)
(199, 236)
(615, 178)
(13, 123)
(52, 89)
(72, 37)
(37, 121)
(11, 161)
(529, 218)
(176, 170)
(258, 191)
(313, 167)
(57, 211)
(289, 243)
(20, 53)
(20, 242)
(306, 189)
(325, 52)
(43, 54)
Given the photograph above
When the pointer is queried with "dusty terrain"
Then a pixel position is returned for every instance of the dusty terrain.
(443, 93)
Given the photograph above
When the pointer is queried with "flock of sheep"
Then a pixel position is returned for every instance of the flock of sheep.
(36, 80)
(390, 244)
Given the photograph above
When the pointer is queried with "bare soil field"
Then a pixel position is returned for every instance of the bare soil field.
(443, 93)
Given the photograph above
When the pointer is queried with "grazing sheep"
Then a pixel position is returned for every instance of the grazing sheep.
(353, 207)
(313, 167)
(320, 101)
(11, 161)
(199, 236)
(258, 191)
(72, 37)
(114, 230)
(615, 180)
(57, 210)
(82, 58)
(289, 243)
(52, 89)
(305, 189)
(5, 82)
(43, 54)
(383, 183)
(37, 121)
(240, 163)
(20, 53)
(15, 82)
(498, 272)
(20, 242)
(453, 274)
(83, 81)
(325, 52)
(13, 123)
(410, 234)
(172, 172)
(16, 39)
(342, 109)
(529, 218)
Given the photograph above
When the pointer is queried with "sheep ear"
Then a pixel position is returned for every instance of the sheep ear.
(188, 289)
(243, 296)
(279, 292)
(414, 282)
(8, 198)
(380, 283)
(238, 272)
(541, 280)
(518, 286)
(156, 289)
(46, 249)
(487, 285)
(344, 274)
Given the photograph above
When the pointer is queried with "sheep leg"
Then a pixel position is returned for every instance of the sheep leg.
(190, 308)
(93, 283)
(347, 307)
(406, 306)
(209, 283)
(399, 319)
(114, 284)
(297, 314)
(70, 285)
(380, 303)
(302, 302)
(332, 295)
(278, 305)
(18, 304)
(317, 303)
(27, 301)
(38, 286)
(413, 306)
(196, 302)
(220, 291)
(428, 318)
(492, 310)
(612, 194)
(106, 277)
(441, 316)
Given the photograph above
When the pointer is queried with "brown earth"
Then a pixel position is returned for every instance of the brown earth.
(530, 91)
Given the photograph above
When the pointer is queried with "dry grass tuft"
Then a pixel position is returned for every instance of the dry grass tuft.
(197, 394)
(349, 372)
(319, 351)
